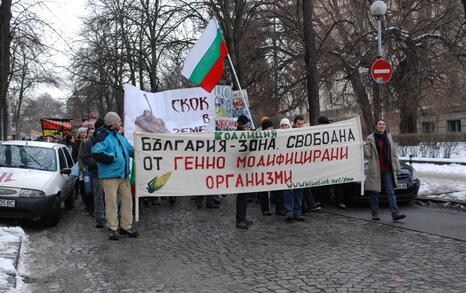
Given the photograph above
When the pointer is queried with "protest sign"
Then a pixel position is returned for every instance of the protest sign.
(225, 124)
(235, 162)
(174, 111)
(230, 104)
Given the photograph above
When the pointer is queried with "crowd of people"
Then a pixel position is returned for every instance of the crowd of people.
(383, 168)
(103, 156)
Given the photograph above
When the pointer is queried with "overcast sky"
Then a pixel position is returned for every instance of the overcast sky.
(65, 17)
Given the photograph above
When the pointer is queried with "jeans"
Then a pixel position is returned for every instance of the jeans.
(208, 200)
(308, 199)
(241, 206)
(387, 181)
(292, 201)
(99, 205)
(277, 199)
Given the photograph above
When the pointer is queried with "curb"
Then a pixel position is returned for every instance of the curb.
(431, 161)
(13, 250)
(441, 200)
(459, 206)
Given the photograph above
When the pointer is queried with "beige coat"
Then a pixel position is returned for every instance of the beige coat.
(373, 180)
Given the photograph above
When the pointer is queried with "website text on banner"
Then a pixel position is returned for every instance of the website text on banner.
(236, 162)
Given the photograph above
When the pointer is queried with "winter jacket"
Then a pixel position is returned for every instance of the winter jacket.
(111, 151)
(373, 180)
(88, 159)
(75, 150)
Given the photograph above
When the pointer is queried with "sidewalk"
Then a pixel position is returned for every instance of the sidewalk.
(437, 221)
(10, 243)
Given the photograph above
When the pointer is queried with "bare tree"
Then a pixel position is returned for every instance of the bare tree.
(43, 106)
(311, 59)
(5, 41)
(125, 42)
(30, 57)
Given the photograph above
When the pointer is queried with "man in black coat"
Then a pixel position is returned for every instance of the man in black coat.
(88, 159)
(243, 124)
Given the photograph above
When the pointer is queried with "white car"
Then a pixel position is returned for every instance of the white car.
(35, 178)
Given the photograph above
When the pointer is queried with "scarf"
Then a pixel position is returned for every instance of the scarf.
(385, 152)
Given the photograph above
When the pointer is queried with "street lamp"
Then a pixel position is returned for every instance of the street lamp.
(378, 10)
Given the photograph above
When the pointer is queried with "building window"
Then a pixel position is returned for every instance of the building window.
(454, 125)
(427, 127)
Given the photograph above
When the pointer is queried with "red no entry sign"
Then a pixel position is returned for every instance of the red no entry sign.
(381, 71)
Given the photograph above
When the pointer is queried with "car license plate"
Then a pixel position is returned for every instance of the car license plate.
(9, 203)
(402, 186)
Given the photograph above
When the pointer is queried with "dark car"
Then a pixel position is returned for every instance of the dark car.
(407, 189)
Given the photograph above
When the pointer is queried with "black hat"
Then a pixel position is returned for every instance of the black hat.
(324, 120)
(243, 120)
(266, 123)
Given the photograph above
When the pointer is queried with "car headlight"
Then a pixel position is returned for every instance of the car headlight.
(31, 193)
(413, 174)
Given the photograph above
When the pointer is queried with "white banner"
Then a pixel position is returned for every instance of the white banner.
(235, 162)
(174, 111)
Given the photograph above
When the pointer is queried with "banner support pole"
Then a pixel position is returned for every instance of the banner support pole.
(362, 152)
(246, 102)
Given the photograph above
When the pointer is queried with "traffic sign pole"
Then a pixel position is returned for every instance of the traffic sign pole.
(381, 72)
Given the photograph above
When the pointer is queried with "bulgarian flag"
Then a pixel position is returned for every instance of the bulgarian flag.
(204, 64)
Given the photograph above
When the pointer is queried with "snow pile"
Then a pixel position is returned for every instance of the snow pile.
(451, 170)
(460, 152)
(442, 181)
(10, 237)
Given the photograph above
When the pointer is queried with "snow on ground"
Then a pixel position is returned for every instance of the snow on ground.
(447, 181)
(442, 181)
(460, 151)
(9, 239)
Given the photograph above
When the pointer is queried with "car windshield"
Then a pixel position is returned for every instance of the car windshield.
(27, 157)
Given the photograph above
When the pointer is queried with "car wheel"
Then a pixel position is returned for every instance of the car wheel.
(69, 202)
(54, 217)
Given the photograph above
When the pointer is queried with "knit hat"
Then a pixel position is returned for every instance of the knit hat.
(111, 118)
(243, 120)
(285, 121)
(266, 123)
(81, 130)
(324, 120)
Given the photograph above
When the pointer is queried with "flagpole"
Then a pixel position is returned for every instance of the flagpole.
(237, 80)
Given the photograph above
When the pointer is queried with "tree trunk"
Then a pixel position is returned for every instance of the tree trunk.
(408, 84)
(376, 101)
(464, 7)
(311, 59)
(5, 41)
(20, 102)
(153, 65)
(363, 100)
(408, 115)
(141, 56)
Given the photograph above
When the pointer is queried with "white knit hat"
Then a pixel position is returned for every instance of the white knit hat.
(81, 130)
(111, 118)
(285, 121)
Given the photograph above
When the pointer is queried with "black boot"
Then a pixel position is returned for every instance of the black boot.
(131, 232)
(113, 235)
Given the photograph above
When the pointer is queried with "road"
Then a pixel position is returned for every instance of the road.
(437, 221)
(185, 249)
